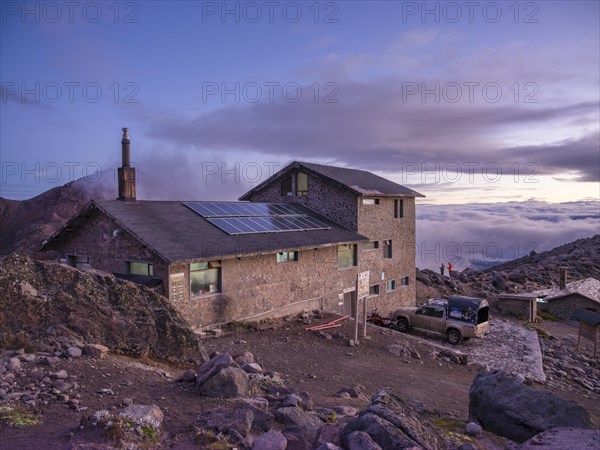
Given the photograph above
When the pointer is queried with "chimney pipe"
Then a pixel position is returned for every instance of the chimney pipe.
(563, 278)
(126, 173)
(125, 148)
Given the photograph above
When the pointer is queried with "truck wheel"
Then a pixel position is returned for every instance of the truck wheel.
(392, 326)
(402, 325)
(453, 337)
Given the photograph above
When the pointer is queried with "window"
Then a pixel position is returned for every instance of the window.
(205, 277)
(287, 256)
(286, 187)
(139, 268)
(405, 281)
(387, 248)
(374, 290)
(370, 245)
(390, 286)
(370, 201)
(78, 261)
(398, 208)
(346, 255)
(301, 184)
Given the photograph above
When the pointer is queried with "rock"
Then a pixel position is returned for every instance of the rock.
(50, 360)
(105, 391)
(211, 367)
(189, 376)
(505, 406)
(228, 382)
(397, 350)
(30, 357)
(473, 429)
(328, 446)
(252, 368)
(302, 436)
(223, 420)
(147, 413)
(359, 440)
(60, 375)
(262, 420)
(244, 358)
(345, 411)
(13, 364)
(296, 417)
(72, 352)
(291, 400)
(273, 440)
(96, 351)
(559, 438)
(128, 401)
(394, 426)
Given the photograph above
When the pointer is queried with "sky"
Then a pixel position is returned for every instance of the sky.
(468, 103)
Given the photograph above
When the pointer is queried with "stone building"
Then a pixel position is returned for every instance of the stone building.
(563, 301)
(295, 242)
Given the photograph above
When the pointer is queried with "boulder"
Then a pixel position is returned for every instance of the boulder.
(273, 440)
(503, 405)
(564, 438)
(211, 367)
(144, 413)
(393, 424)
(359, 440)
(72, 352)
(14, 364)
(224, 420)
(244, 358)
(96, 351)
(473, 429)
(227, 383)
(293, 416)
(252, 368)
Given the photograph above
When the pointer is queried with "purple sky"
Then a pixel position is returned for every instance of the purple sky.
(487, 102)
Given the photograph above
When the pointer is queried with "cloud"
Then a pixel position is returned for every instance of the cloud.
(480, 235)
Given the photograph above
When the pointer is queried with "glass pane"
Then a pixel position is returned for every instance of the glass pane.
(199, 266)
(204, 281)
(286, 187)
(301, 184)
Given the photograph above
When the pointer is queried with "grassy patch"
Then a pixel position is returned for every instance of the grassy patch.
(17, 416)
(547, 316)
(124, 429)
(16, 342)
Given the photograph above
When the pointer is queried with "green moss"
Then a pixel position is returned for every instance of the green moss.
(547, 316)
(332, 417)
(17, 416)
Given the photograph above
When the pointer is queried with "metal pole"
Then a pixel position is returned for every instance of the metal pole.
(365, 316)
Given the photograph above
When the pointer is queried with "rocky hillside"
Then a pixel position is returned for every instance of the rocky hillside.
(50, 307)
(25, 224)
(535, 271)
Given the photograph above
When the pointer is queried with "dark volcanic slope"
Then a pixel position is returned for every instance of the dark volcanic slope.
(25, 224)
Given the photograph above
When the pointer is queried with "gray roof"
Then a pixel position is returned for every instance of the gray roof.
(360, 182)
(176, 233)
(588, 317)
(588, 287)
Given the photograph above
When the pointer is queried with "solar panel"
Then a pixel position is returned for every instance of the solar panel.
(245, 218)
(240, 209)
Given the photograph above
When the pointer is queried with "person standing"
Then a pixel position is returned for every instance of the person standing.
(449, 269)
(442, 267)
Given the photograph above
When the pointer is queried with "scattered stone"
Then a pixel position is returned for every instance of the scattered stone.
(144, 413)
(30, 357)
(50, 360)
(397, 350)
(14, 364)
(60, 375)
(96, 351)
(273, 440)
(189, 376)
(228, 382)
(244, 358)
(505, 406)
(128, 401)
(211, 367)
(72, 352)
(252, 368)
(105, 391)
(293, 416)
(564, 438)
(223, 420)
(359, 440)
(473, 429)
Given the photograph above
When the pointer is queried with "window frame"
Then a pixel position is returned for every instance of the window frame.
(389, 283)
(375, 246)
(377, 289)
(388, 250)
(298, 192)
(149, 272)
(398, 208)
(354, 257)
(288, 192)
(405, 281)
(210, 266)
(295, 257)
(370, 201)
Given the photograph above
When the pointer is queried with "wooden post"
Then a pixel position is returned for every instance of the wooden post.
(355, 302)
(365, 317)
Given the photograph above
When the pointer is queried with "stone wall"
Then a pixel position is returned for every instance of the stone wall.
(259, 286)
(331, 201)
(564, 307)
(518, 307)
(109, 249)
(377, 222)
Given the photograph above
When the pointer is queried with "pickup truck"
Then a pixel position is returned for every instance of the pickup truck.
(456, 317)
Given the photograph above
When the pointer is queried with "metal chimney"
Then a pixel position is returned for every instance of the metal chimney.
(126, 173)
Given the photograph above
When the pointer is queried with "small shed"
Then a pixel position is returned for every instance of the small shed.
(519, 305)
(589, 326)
